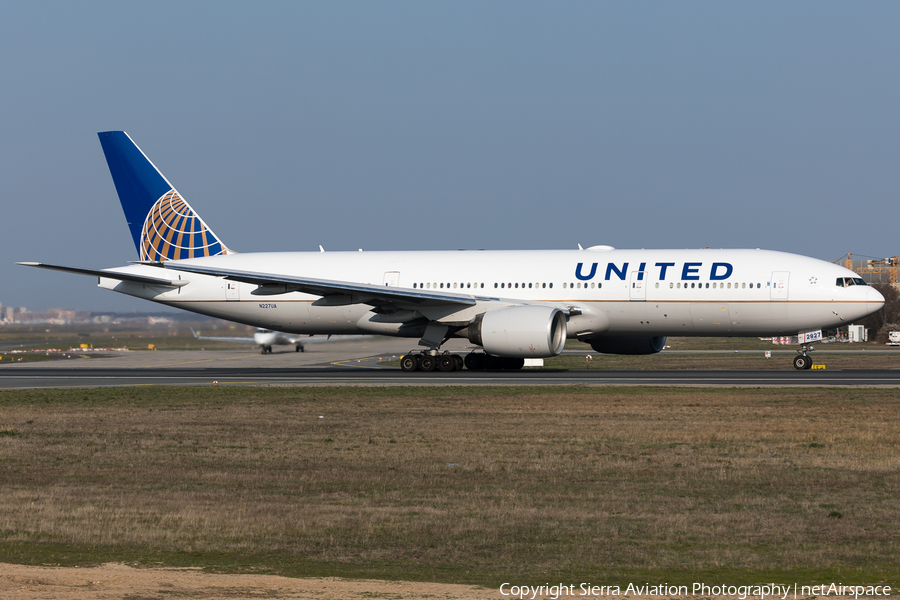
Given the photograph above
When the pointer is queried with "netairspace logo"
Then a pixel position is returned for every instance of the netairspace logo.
(740, 592)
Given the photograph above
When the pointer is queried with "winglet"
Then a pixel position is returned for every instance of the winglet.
(162, 223)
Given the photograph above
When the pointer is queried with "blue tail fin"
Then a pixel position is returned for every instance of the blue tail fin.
(162, 223)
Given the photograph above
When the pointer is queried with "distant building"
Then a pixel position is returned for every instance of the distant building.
(875, 270)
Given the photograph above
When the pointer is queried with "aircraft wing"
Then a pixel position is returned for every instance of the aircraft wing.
(109, 274)
(243, 340)
(334, 293)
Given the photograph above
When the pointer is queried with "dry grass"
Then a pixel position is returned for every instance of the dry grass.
(458, 485)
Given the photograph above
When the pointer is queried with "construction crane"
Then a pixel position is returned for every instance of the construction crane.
(888, 265)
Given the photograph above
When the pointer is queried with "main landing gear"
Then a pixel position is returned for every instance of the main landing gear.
(265, 350)
(803, 361)
(419, 360)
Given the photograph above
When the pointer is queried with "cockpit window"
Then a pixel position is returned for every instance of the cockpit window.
(849, 281)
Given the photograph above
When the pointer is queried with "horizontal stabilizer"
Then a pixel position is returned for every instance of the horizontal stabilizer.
(109, 274)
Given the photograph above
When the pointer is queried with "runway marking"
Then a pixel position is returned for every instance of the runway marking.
(349, 363)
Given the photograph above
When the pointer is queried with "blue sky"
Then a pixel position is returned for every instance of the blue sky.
(424, 125)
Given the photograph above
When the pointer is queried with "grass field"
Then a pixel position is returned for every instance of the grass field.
(482, 485)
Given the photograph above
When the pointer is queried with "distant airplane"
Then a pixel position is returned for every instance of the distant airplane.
(266, 338)
(514, 304)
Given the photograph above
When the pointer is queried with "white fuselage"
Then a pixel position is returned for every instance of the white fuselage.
(607, 291)
(267, 337)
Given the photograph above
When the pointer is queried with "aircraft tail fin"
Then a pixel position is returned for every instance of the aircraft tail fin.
(162, 223)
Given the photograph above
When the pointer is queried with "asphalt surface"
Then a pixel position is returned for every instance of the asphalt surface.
(361, 362)
(20, 378)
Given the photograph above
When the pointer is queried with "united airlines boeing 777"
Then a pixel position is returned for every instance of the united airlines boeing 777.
(513, 304)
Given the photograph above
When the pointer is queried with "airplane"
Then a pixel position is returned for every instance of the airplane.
(512, 304)
(266, 338)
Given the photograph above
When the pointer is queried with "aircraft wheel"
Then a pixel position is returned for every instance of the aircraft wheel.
(513, 363)
(446, 364)
(268, 349)
(427, 363)
(299, 348)
(474, 361)
(409, 363)
(492, 363)
(262, 350)
(803, 362)
(458, 362)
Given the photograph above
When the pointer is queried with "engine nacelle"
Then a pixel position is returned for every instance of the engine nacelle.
(628, 344)
(520, 331)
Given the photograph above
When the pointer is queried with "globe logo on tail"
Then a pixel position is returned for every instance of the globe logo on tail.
(173, 231)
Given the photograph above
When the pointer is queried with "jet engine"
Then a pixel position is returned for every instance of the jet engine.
(628, 344)
(520, 331)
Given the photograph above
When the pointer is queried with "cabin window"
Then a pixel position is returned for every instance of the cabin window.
(707, 286)
(671, 285)
(564, 285)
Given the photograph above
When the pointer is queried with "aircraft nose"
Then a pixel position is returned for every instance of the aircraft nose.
(874, 300)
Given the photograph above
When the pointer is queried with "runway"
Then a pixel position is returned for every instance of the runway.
(361, 363)
(19, 378)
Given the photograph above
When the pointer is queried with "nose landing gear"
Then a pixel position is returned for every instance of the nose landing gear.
(803, 361)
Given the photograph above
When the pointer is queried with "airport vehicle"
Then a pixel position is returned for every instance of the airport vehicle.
(513, 304)
(894, 338)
